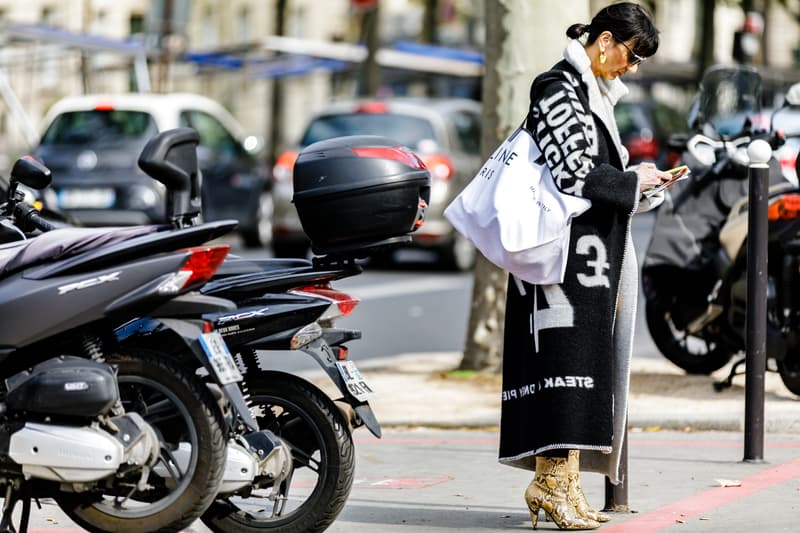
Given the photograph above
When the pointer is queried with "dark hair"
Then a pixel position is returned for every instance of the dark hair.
(626, 21)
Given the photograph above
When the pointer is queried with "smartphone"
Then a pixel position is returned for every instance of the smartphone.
(678, 172)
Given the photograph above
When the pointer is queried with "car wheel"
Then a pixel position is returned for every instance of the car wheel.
(260, 234)
(459, 254)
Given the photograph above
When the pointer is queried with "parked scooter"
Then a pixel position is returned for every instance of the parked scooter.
(694, 272)
(66, 430)
(289, 304)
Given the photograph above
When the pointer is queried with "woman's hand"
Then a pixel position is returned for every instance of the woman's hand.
(650, 176)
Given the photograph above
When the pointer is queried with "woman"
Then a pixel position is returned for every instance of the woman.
(568, 347)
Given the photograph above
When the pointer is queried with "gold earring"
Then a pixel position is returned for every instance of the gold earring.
(602, 57)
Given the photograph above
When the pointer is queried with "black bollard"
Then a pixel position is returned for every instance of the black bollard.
(756, 315)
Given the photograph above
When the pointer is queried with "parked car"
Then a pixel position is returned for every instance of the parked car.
(444, 133)
(91, 144)
(645, 126)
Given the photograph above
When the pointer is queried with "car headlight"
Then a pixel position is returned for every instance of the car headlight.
(141, 197)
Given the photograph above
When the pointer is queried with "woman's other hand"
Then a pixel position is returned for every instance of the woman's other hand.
(650, 176)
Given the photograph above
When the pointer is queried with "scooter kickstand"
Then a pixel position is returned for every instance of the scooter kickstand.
(728, 381)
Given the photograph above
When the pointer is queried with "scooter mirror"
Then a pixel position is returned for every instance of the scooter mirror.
(793, 95)
(30, 172)
(171, 158)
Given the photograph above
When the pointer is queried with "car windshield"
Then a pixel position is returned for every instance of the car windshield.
(98, 126)
(405, 129)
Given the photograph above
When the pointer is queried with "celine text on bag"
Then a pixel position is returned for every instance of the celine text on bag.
(515, 215)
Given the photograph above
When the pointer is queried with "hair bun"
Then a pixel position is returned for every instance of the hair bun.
(576, 30)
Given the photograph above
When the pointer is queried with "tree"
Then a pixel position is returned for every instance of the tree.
(518, 46)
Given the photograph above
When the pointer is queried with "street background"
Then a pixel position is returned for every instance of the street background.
(272, 64)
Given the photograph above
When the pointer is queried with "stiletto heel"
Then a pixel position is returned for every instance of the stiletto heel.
(534, 514)
(549, 491)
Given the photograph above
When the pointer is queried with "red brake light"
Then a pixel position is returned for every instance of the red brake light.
(282, 171)
(440, 166)
(344, 302)
(396, 153)
(787, 207)
(104, 106)
(373, 107)
(203, 263)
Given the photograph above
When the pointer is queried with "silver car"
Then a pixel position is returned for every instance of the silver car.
(445, 133)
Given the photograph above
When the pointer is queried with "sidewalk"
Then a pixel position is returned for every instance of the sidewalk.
(686, 471)
(420, 390)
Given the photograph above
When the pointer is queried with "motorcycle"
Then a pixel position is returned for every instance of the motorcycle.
(87, 422)
(694, 271)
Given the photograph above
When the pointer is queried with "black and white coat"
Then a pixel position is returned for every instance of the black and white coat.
(567, 347)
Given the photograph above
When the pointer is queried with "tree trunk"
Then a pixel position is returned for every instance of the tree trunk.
(430, 21)
(706, 37)
(371, 36)
(518, 46)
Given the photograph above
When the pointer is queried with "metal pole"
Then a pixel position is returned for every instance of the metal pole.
(756, 315)
(617, 495)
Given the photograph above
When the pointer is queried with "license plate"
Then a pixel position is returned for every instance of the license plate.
(99, 198)
(354, 381)
(220, 357)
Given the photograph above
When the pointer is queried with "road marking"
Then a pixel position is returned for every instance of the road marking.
(703, 502)
(408, 483)
(427, 440)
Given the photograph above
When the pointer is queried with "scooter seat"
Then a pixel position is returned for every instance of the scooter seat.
(64, 242)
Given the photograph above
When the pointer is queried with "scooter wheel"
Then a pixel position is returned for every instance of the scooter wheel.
(789, 371)
(183, 412)
(693, 354)
(313, 426)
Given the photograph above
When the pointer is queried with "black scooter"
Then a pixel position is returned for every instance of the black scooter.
(68, 431)
(289, 304)
(122, 264)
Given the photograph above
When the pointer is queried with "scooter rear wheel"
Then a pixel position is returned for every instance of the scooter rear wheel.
(182, 411)
(313, 427)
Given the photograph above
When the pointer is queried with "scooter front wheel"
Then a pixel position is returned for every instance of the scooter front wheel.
(696, 355)
(315, 430)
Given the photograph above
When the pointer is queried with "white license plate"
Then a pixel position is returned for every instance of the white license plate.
(354, 380)
(99, 198)
(220, 357)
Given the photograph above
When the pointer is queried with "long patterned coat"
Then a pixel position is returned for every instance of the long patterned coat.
(567, 347)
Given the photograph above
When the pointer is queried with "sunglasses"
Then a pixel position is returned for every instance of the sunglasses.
(633, 58)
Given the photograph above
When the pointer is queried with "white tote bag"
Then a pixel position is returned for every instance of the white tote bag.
(515, 215)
